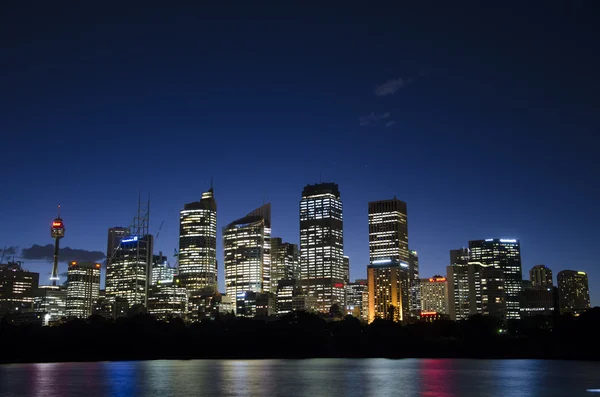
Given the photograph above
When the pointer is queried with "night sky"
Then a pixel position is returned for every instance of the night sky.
(482, 118)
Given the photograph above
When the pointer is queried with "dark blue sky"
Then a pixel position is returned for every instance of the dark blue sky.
(482, 118)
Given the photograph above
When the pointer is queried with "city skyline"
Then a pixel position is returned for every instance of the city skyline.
(480, 124)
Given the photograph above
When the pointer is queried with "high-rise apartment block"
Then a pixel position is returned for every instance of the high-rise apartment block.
(540, 276)
(247, 246)
(198, 245)
(83, 288)
(573, 291)
(503, 255)
(434, 294)
(388, 246)
(322, 244)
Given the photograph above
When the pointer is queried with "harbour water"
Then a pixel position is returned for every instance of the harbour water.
(313, 378)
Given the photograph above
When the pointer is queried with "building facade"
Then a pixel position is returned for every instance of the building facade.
(285, 261)
(167, 300)
(50, 301)
(573, 292)
(17, 289)
(540, 276)
(464, 286)
(537, 301)
(385, 283)
(434, 294)
(388, 244)
(83, 288)
(247, 249)
(414, 280)
(115, 235)
(503, 255)
(354, 299)
(322, 244)
(198, 245)
(128, 274)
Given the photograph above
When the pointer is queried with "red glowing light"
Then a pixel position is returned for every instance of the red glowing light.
(97, 266)
(437, 280)
(428, 314)
(338, 285)
(57, 224)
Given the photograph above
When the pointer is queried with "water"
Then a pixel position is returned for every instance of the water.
(313, 378)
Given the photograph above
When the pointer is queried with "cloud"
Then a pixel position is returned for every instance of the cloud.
(373, 118)
(391, 86)
(46, 252)
(390, 123)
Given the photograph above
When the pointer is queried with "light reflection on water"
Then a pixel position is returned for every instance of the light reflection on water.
(295, 378)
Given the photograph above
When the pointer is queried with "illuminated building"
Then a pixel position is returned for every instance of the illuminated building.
(305, 303)
(573, 292)
(57, 231)
(537, 301)
(247, 249)
(464, 286)
(322, 244)
(161, 271)
(51, 302)
(285, 261)
(346, 269)
(503, 255)
(198, 245)
(287, 289)
(128, 273)
(256, 304)
(354, 298)
(83, 288)
(385, 282)
(433, 316)
(415, 289)
(540, 276)
(434, 295)
(388, 243)
(17, 289)
(209, 307)
(115, 235)
(167, 300)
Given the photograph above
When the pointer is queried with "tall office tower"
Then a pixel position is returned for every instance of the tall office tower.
(540, 276)
(285, 261)
(50, 302)
(128, 274)
(247, 249)
(537, 301)
(83, 288)
(346, 269)
(464, 286)
(198, 245)
(115, 235)
(354, 298)
(388, 243)
(503, 255)
(322, 244)
(573, 292)
(415, 289)
(434, 295)
(17, 288)
(385, 283)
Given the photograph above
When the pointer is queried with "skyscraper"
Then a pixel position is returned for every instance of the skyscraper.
(573, 291)
(464, 286)
(247, 246)
(83, 288)
(198, 245)
(434, 294)
(285, 261)
(17, 288)
(540, 276)
(415, 289)
(385, 283)
(115, 234)
(388, 244)
(354, 299)
(128, 274)
(51, 302)
(503, 255)
(346, 269)
(322, 244)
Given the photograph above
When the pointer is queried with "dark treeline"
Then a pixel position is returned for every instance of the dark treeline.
(300, 335)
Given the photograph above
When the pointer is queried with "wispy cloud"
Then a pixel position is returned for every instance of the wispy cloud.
(390, 123)
(391, 86)
(373, 119)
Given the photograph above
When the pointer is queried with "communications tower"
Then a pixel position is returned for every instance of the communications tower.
(57, 232)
